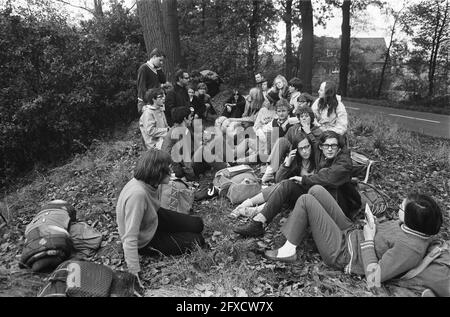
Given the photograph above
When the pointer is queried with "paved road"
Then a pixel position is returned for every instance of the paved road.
(427, 123)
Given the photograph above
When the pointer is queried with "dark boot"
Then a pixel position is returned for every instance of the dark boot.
(251, 229)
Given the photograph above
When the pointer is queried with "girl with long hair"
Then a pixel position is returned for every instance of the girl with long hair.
(329, 110)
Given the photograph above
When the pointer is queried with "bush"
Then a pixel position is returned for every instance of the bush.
(63, 87)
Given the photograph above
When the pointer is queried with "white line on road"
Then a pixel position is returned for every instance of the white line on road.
(413, 118)
(352, 108)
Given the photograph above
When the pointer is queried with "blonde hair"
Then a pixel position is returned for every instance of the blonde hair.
(285, 84)
(256, 103)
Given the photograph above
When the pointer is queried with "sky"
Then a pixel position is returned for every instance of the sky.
(377, 25)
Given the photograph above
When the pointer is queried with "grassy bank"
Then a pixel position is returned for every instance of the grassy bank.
(231, 266)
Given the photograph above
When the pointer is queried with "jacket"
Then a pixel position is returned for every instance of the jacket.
(335, 176)
(176, 97)
(153, 126)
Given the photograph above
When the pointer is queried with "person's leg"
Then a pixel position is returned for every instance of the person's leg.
(326, 233)
(280, 148)
(331, 206)
(171, 221)
(286, 192)
(175, 243)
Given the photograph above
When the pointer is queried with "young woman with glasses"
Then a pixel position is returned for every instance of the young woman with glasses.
(333, 171)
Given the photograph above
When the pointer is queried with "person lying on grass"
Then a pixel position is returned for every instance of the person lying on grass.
(144, 227)
(300, 161)
(333, 171)
(378, 251)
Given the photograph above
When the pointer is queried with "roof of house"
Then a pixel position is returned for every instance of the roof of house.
(373, 48)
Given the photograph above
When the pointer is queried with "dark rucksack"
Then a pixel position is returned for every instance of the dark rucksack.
(47, 237)
(87, 279)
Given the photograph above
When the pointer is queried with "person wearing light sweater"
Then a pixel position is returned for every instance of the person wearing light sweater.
(144, 227)
(153, 123)
(329, 110)
(380, 251)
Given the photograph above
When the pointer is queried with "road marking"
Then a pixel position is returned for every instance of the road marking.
(351, 108)
(413, 118)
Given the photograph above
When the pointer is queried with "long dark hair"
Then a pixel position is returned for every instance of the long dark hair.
(330, 98)
(299, 137)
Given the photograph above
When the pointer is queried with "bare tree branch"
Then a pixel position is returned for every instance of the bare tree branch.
(77, 6)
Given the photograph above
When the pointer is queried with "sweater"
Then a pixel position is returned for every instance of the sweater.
(336, 122)
(176, 97)
(395, 250)
(264, 117)
(149, 78)
(153, 126)
(237, 110)
(137, 219)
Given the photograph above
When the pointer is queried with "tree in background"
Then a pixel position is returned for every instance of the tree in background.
(159, 19)
(222, 36)
(345, 48)
(307, 44)
(428, 24)
(397, 15)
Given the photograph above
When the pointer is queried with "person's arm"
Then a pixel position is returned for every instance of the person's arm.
(134, 212)
(336, 175)
(397, 260)
(141, 84)
(150, 125)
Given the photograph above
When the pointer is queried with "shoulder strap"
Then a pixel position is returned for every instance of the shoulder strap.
(434, 253)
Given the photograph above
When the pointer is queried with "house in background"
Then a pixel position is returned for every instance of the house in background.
(366, 52)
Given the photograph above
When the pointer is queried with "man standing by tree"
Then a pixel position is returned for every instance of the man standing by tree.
(150, 75)
(178, 96)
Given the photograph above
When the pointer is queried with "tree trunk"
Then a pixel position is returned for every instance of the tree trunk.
(203, 16)
(307, 44)
(436, 45)
(98, 8)
(252, 56)
(345, 48)
(288, 21)
(386, 57)
(159, 20)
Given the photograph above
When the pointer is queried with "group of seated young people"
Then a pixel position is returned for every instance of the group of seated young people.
(308, 168)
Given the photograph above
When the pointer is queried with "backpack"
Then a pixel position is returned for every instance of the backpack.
(372, 196)
(237, 183)
(47, 238)
(361, 166)
(177, 196)
(433, 272)
(87, 279)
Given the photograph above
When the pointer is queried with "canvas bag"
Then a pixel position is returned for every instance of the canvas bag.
(433, 272)
(47, 240)
(372, 196)
(237, 183)
(177, 196)
(87, 279)
(361, 166)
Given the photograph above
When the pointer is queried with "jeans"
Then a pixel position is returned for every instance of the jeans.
(327, 221)
(286, 191)
(176, 234)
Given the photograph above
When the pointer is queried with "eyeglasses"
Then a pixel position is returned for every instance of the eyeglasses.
(329, 146)
(304, 148)
(160, 97)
